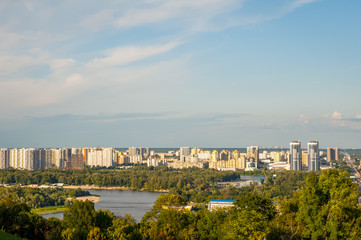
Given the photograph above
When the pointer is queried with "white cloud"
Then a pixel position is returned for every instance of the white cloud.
(336, 115)
(74, 80)
(192, 12)
(299, 3)
(45, 37)
(124, 55)
(11, 64)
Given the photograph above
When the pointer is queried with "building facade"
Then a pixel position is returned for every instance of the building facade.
(313, 156)
(332, 154)
(295, 156)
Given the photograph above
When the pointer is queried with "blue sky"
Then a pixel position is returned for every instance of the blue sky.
(206, 73)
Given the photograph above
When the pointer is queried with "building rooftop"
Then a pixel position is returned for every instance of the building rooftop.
(220, 200)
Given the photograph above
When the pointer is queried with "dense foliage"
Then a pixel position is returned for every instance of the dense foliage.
(325, 208)
(194, 184)
(139, 177)
(278, 185)
(41, 197)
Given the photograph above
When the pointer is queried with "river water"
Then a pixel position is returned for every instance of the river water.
(252, 178)
(121, 202)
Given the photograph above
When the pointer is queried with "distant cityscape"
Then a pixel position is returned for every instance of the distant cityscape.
(277, 158)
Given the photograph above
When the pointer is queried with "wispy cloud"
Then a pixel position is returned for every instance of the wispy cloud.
(125, 55)
(299, 3)
(194, 13)
(101, 117)
(45, 38)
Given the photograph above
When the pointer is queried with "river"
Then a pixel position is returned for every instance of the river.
(252, 178)
(121, 202)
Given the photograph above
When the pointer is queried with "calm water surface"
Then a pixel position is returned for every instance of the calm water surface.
(253, 178)
(121, 202)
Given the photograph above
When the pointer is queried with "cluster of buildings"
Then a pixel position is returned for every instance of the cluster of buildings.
(196, 157)
(68, 158)
(75, 158)
(309, 160)
(293, 159)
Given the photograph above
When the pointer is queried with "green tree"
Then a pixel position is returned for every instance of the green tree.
(79, 219)
(124, 228)
(328, 206)
(96, 234)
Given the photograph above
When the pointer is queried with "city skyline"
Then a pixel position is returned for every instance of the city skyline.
(169, 74)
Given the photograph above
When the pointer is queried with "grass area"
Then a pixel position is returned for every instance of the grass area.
(8, 236)
(51, 209)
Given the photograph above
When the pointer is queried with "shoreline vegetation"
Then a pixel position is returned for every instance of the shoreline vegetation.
(62, 208)
(94, 187)
(50, 209)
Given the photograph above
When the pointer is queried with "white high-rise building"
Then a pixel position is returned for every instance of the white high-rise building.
(295, 156)
(29, 159)
(4, 158)
(135, 155)
(100, 157)
(17, 158)
(313, 156)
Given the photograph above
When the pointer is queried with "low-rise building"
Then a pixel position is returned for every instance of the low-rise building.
(216, 204)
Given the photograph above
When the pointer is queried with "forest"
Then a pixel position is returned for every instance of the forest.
(41, 197)
(193, 184)
(321, 206)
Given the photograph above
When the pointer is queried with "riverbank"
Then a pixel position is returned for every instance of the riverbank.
(94, 187)
(91, 198)
(50, 209)
(62, 208)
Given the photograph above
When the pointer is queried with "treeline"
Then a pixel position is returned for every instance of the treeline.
(325, 208)
(278, 185)
(139, 177)
(194, 184)
(41, 197)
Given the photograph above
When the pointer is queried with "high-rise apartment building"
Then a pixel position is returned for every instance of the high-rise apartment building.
(253, 152)
(332, 154)
(224, 155)
(102, 157)
(305, 158)
(17, 158)
(278, 156)
(215, 156)
(184, 152)
(135, 155)
(146, 152)
(295, 156)
(4, 158)
(132, 151)
(236, 154)
(313, 156)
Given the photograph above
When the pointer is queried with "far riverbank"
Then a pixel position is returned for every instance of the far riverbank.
(93, 187)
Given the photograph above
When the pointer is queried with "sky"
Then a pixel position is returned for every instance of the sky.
(171, 73)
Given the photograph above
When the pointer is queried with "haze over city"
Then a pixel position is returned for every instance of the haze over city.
(205, 73)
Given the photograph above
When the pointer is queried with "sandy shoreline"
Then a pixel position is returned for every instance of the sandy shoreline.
(93, 199)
